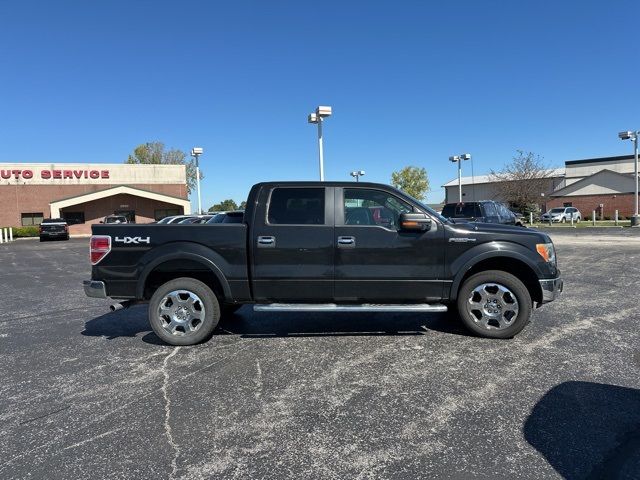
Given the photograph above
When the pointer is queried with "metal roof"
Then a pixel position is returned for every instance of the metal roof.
(480, 179)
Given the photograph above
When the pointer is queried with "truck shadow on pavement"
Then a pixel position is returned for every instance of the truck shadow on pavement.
(588, 430)
(247, 324)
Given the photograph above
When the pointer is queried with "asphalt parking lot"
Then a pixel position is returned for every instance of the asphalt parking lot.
(91, 394)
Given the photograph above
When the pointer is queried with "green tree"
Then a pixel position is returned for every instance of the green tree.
(411, 180)
(224, 206)
(155, 153)
(243, 205)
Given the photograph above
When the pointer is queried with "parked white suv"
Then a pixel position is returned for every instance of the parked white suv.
(562, 215)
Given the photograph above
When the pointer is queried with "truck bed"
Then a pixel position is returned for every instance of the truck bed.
(138, 250)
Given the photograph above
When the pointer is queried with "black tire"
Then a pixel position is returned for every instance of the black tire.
(206, 299)
(515, 287)
(42, 239)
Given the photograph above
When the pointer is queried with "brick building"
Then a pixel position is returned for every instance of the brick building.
(84, 194)
(603, 185)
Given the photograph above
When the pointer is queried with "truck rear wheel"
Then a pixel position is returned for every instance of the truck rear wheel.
(184, 311)
(494, 304)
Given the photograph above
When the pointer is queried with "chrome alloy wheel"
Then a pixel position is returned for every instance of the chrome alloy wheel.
(181, 312)
(492, 306)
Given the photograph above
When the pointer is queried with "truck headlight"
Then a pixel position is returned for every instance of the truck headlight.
(546, 251)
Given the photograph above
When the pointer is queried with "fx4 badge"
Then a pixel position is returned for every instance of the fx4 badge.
(136, 240)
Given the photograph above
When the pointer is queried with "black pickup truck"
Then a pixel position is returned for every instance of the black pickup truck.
(325, 246)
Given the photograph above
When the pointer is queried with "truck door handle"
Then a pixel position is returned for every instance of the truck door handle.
(346, 242)
(266, 242)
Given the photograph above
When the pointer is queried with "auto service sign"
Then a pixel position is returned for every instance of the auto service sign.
(83, 173)
(28, 174)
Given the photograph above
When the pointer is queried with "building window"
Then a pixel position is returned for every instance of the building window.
(32, 219)
(567, 204)
(166, 212)
(73, 218)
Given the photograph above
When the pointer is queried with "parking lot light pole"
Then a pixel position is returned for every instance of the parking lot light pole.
(633, 136)
(196, 152)
(357, 174)
(458, 159)
(317, 118)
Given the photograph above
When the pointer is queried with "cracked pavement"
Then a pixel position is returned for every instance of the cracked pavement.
(91, 394)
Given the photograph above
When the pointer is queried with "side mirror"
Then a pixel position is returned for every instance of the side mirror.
(414, 222)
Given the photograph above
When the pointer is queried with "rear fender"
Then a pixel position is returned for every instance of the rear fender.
(183, 251)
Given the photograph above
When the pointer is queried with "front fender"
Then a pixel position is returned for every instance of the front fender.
(497, 249)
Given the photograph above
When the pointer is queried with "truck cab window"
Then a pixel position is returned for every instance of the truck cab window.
(296, 206)
(373, 207)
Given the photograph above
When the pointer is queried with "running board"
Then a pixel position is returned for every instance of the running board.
(366, 307)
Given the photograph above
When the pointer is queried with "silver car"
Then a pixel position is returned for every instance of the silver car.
(562, 215)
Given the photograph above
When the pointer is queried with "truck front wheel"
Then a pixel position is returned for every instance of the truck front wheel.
(494, 304)
(184, 311)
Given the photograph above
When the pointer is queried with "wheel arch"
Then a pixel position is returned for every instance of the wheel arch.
(182, 264)
(515, 265)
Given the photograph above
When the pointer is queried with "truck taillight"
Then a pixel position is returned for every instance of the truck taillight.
(100, 247)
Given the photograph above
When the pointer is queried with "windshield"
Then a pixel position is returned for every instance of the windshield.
(115, 220)
(228, 217)
(556, 210)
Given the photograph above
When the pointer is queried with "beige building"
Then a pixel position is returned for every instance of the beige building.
(484, 187)
(603, 185)
(84, 194)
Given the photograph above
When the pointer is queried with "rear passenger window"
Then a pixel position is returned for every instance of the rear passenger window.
(296, 206)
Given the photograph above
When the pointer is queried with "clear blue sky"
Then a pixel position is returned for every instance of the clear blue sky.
(410, 82)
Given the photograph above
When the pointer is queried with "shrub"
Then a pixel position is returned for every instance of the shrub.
(32, 231)
(607, 217)
(587, 218)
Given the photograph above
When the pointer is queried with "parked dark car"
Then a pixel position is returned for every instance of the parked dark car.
(115, 219)
(195, 220)
(234, 216)
(51, 228)
(320, 246)
(485, 211)
(173, 219)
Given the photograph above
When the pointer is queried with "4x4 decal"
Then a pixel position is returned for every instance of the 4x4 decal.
(136, 240)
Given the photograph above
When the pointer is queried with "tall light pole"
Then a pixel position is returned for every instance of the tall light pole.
(357, 174)
(458, 159)
(629, 135)
(316, 117)
(196, 152)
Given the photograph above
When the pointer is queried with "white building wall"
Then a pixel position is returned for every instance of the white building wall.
(581, 170)
(472, 193)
